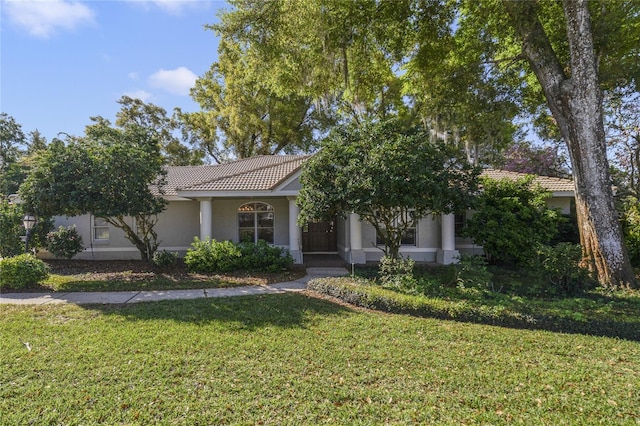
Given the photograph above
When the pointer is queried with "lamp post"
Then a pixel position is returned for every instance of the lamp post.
(29, 221)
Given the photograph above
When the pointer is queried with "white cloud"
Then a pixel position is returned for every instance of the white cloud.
(45, 18)
(172, 7)
(143, 95)
(133, 75)
(176, 82)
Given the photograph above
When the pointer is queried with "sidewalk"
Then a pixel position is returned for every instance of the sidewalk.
(122, 297)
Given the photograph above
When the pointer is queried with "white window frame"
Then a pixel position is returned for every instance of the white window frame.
(250, 208)
(102, 224)
(380, 242)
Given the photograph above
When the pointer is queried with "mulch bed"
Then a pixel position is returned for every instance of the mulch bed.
(138, 270)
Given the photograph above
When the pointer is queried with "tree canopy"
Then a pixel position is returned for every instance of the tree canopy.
(389, 176)
(112, 173)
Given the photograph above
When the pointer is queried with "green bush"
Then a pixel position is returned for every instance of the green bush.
(22, 271)
(261, 256)
(471, 272)
(558, 270)
(631, 228)
(164, 259)
(212, 256)
(512, 217)
(10, 229)
(224, 256)
(397, 273)
(64, 243)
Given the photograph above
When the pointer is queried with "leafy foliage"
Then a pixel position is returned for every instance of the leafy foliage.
(511, 219)
(65, 242)
(223, 256)
(21, 271)
(110, 173)
(10, 229)
(388, 176)
(631, 228)
(261, 256)
(559, 270)
(209, 255)
(396, 273)
(165, 259)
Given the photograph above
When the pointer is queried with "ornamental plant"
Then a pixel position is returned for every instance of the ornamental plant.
(21, 271)
(65, 242)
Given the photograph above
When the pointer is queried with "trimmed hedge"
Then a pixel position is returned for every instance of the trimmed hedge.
(21, 271)
(362, 293)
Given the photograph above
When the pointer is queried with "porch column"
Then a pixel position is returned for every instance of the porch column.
(448, 254)
(356, 254)
(294, 231)
(206, 218)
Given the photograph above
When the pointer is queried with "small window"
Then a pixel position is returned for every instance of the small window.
(409, 237)
(256, 222)
(100, 230)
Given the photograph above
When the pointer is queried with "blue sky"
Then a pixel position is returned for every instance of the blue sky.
(63, 61)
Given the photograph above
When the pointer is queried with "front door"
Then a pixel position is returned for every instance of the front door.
(319, 237)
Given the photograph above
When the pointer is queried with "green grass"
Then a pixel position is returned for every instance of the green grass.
(290, 359)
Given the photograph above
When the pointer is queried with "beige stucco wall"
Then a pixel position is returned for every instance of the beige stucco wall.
(562, 203)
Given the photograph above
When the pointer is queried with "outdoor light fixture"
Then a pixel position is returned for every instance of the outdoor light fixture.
(29, 221)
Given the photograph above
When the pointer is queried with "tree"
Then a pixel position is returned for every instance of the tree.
(571, 86)
(11, 140)
(388, 176)
(244, 115)
(511, 220)
(165, 129)
(523, 157)
(111, 173)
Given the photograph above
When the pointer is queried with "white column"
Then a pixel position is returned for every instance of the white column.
(294, 231)
(448, 232)
(206, 218)
(357, 255)
(447, 253)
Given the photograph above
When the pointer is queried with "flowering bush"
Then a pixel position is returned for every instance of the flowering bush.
(64, 243)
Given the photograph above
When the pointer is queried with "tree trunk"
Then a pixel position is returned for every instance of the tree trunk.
(575, 101)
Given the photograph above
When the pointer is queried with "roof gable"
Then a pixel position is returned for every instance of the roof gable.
(262, 173)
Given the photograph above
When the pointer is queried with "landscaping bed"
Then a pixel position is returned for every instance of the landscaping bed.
(125, 275)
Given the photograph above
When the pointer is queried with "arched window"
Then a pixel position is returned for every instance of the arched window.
(255, 222)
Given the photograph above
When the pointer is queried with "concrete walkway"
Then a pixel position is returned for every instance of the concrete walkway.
(121, 297)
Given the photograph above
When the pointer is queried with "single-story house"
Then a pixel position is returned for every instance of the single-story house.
(255, 198)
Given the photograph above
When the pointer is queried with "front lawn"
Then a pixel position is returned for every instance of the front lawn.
(291, 359)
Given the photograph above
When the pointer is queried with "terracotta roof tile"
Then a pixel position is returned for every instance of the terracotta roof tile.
(250, 174)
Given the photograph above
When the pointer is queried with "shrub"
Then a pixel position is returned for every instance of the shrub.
(22, 270)
(64, 243)
(261, 256)
(164, 259)
(511, 219)
(559, 269)
(631, 228)
(471, 272)
(224, 256)
(397, 273)
(10, 229)
(211, 256)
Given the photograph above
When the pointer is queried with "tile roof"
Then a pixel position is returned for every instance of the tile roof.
(266, 172)
(549, 183)
(260, 173)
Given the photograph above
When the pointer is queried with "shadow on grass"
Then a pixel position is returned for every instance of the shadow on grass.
(607, 316)
(249, 312)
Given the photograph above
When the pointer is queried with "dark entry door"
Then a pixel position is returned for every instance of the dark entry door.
(319, 236)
